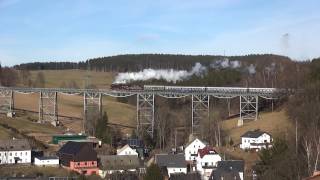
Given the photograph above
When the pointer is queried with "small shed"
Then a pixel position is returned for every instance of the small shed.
(46, 161)
(56, 139)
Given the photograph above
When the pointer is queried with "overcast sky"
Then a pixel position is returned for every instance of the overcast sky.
(74, 30)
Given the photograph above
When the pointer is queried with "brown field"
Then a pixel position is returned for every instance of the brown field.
(5, 134)
(55, 78)
(28, 170)
(276, 123)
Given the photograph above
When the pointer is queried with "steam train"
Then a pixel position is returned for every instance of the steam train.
(184, 89)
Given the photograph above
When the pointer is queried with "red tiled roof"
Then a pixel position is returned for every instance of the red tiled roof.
(206, 150)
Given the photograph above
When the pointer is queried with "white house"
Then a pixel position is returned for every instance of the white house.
(46, 161)
(127, 150)
(174, 163)
(207, 161)
(16, 151)
(256, 140)
(191, 150)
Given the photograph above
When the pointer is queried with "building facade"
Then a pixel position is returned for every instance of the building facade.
(127, 150)
(110, 164)
(46, 161)
(80, 157)
(207, 161)
(173, 163)
(255, 140)
(16, 151)
(191, 150)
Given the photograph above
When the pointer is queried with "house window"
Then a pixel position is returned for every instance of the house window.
(85, 163)
(15, 154)
(10, 154)
(180, 170)
(78, 164)
(26, 153)
(20, 153)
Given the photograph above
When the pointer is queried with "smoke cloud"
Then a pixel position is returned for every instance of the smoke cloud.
(226, 63)
(169, 75)
(251, 69)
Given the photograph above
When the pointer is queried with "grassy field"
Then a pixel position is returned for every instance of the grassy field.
(5, 134)
(28, 170)
(27, 125)
(55, 78)
(276, 123)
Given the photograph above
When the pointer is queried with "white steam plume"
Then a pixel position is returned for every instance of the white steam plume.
(169, 75)
(226, 63)
(251, 69)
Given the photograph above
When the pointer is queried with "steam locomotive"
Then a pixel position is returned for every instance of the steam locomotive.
(183, 89)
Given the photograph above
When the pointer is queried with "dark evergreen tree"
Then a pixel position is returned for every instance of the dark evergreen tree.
(102, 130)
(153, 173)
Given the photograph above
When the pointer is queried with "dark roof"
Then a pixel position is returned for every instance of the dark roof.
(15, 145)
(228, 170)
(73, 148)
(182, 176)
(237, 165)
(170, 160)
(77, 151)
(119, 162)
(254, 134)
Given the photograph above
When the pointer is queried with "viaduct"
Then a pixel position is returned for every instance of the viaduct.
(48, 110)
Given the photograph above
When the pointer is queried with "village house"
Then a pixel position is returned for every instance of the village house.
(15, 151)
(172, 163)
(46, 161)
(230, 169)
(110, 164)
(191, 150)
(207, 160)
(255, 140)
(127, 150)
(80, 157)
(137, 145)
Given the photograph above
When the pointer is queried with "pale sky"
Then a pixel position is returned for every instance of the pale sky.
(75, 30)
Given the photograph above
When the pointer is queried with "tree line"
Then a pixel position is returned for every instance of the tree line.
(137, 62)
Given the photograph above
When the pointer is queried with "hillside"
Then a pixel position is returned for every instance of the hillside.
(72, 105)
(276, 123)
